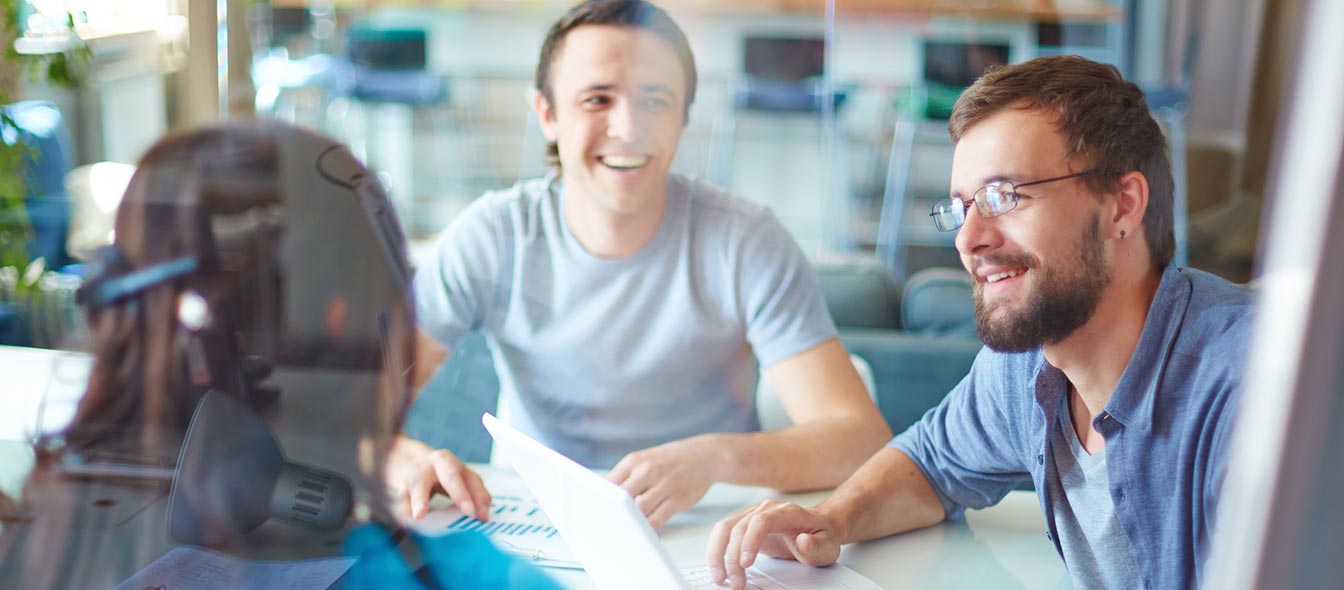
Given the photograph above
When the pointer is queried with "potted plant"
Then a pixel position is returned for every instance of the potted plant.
(63, 67)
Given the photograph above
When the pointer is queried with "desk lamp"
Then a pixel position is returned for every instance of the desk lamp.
(232, 476)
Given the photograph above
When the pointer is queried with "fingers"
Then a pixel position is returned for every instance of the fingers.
(818, 549)
(732, 553)
(779, 530)
(419, 485)
(664, 511)
(442, 470)
(622, 470)
(463, 486)
(717, 546)
(634, 477)
(753, 535)
(401, 504)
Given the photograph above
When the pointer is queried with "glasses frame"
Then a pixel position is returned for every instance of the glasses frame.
(1011, 197)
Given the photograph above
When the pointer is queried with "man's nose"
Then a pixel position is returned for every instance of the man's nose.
(623, 121)
(976, 233)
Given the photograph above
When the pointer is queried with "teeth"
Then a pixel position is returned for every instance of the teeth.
(996, 277)
(625, 162)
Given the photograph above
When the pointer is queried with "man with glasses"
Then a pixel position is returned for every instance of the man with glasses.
(1110, 376)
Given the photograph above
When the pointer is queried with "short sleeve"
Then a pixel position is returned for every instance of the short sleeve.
(780, 299)
(457, 288)
(967, 446)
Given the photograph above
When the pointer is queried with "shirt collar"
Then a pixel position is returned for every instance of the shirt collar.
(1132, 401)
(1135, 395)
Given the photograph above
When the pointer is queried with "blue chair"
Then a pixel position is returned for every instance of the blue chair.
(42, 129)
(12, 330)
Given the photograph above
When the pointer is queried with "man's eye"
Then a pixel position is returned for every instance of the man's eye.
(596, 101)
(656, 103)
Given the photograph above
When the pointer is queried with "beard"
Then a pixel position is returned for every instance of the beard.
(1065, 298)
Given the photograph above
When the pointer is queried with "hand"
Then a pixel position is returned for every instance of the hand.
(422, 471)
(781, 530)
(669, 478)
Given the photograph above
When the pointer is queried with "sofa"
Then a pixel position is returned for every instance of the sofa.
(919, 339)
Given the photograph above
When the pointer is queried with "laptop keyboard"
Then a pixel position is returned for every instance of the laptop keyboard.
(700, 579)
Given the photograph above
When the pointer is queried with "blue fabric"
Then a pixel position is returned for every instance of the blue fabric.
(598, 357)
(12, 330)
(939, 301)
(43, 131)
(457, 561)
(1095, 547)
(1167, 427)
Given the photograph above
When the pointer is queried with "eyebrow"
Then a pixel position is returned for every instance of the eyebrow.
(607, 87)
(597, 88)
(660, 88)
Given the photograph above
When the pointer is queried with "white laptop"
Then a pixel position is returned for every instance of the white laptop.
(614, 542)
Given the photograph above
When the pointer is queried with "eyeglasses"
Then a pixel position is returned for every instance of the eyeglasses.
(992, 200)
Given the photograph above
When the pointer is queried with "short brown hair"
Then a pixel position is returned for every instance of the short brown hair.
(1104, 119)
(635, 14)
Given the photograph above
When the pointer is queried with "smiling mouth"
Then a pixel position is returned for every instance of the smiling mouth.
(999, 276)
(625, 162)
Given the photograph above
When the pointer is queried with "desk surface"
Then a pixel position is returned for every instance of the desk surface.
(1001, 547)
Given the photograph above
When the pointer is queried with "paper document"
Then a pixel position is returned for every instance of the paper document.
(195, 568)
(517, 524)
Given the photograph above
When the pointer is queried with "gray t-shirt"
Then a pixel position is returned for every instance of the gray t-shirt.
(1096, 550)
(600, 357)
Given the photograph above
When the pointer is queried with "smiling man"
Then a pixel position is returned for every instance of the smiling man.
(628, 309)
(1110, 376)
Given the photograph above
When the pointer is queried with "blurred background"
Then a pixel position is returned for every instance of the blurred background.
(832, 112)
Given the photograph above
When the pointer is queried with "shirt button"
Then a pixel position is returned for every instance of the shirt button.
(1105, 417)
(1119, 495)
(1040, 459)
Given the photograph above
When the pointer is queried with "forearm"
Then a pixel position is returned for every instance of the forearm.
(429, 354)
(814, 455)
(887, 495)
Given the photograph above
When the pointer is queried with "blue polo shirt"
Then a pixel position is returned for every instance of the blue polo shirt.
(1167, 427)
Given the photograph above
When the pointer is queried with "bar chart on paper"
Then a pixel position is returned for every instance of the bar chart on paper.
(517, 525)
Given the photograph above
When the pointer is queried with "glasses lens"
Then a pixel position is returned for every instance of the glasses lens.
(995, 199)
(948, 215)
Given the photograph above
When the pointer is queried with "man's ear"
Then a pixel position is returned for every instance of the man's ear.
(545, 115)
(1131, 203)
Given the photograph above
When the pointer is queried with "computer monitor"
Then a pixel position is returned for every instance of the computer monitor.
(784, 59)
(960, 63)
(1280, 519)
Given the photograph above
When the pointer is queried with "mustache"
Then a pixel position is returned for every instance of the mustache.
(1022, 260)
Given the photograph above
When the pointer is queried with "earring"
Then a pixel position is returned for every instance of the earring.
(1122, 234)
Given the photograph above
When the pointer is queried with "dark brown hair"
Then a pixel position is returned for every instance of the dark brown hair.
(136, 401)
(1104, 120)
(635, 14)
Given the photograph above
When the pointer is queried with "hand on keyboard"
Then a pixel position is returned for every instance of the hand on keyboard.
(701, 579)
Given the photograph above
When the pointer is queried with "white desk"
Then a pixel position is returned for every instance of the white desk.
(1001, 547)
(38, 384)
